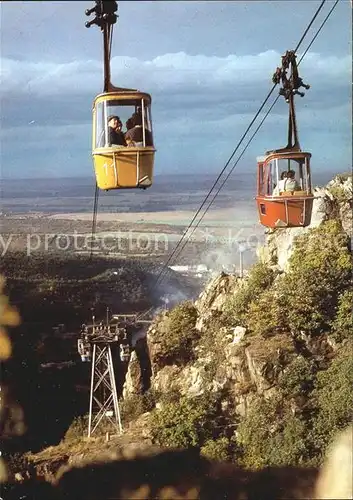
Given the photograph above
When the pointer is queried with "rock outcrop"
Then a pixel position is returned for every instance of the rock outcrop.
(229, 358)
(212, 300)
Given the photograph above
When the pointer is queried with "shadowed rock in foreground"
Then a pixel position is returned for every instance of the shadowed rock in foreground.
(183, 474)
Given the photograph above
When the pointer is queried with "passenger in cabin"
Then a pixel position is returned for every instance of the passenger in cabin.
(287, 183)
(129, 126)
(115, 134)
(134, 136)
(281, 186)
(291, 183)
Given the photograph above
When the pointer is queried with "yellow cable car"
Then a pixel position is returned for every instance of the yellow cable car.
(123, 158)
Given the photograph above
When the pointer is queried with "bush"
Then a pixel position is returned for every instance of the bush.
(298, 378)
(339, 193)
(320, 270)
(77, 430)
(342, 325)
(179, 334)
(186, 423)
(220, 449)
(270, 435)
(260, 279)
(137, 404)
(332, 397)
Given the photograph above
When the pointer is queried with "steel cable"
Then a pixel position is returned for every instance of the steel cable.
(164, 270)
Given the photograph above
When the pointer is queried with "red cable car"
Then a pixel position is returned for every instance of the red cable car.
(284, 194)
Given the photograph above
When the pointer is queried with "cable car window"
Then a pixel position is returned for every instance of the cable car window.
(100, 138)
(307, 175)
(290, 175)
(269, 177)
(261, 178)
(123, 124)
(304, 174)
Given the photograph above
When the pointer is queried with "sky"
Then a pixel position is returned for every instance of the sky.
(208, 66)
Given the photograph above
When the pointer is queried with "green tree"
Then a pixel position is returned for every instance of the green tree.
(186, 423)
(320, 269)
(264, 316)
(342, 325)
(178, 334)
(298, 378)
(260, 279)
(270, 435)
(332, 398)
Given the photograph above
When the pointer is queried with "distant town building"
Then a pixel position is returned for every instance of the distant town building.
(199, 269)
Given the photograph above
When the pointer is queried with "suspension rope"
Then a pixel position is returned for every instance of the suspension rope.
(228, 175)
(309, 26)
(318, 31)
(96, 193)
(219, 176)
(94, 219)
(164, 270)
(111, 29)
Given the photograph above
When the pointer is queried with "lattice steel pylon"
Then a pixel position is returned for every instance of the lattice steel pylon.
(95, 346)
(103, 394)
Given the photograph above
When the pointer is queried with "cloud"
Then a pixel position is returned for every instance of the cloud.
(202, 103)
(198, 87)
(178, 72)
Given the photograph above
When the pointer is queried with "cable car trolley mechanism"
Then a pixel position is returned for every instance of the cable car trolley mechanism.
(284, 193)
(122, 159)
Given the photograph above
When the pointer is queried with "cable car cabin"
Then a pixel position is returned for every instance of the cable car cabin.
(284, 197)
(122, 150)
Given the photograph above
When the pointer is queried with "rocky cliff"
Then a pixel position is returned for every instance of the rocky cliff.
(245, 360)
(264, 343)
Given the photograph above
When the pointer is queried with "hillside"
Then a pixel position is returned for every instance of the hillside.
(55, 294)
(259, 370)
(256, 372)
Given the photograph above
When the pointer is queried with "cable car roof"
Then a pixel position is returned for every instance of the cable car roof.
(284, 155)
(129, 96)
